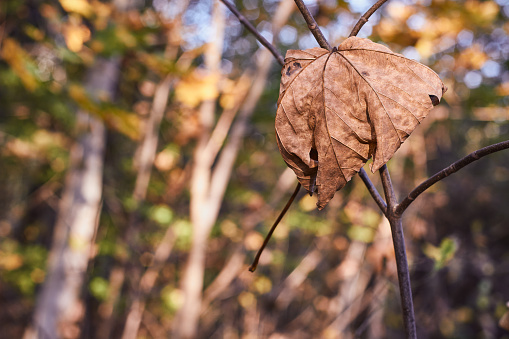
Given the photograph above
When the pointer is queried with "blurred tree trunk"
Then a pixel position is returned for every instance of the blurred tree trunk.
(59, 308)
(147, 154)
(203, 214)
(209, 180)
(144, 160)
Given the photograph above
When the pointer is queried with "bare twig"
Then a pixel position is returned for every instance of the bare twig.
(252, 268)
(448, 171)
(398, 239)
(373, 191)
(366, 16)
(253, 30)
(312, 25)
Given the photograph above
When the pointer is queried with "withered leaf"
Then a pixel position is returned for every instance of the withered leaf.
(338, 109)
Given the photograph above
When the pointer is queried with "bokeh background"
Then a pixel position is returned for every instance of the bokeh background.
(140, 173)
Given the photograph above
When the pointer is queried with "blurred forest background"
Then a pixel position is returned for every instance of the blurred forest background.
(140, 173)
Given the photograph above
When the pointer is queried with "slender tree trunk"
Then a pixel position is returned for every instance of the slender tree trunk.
(202, 217)
(59, 307)
(208, 184)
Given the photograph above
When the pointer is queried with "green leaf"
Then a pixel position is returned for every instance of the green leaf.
(99, 287)
(443, 254)
(161, 214)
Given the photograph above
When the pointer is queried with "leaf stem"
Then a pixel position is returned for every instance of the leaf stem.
(253, 30)
(252, 268)
(312, 25)
(373, 191)
(453, 168)
(398, 239)
(364, 19)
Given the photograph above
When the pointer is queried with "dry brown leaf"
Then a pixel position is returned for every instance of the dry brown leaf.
(338, 109)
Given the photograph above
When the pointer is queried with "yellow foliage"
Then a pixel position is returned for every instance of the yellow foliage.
(37, 147)
(233, 91)
(75, 33)
(472, 58)
(125, 122)
(387, 29)
(262, 284)
(96, 46)
(77, 243)
(81, 7)
(18, 59)
(102, 14)
(485, 11)
(503, 89)
(165, 160)
(196, 87)
(122, 121)
(247, 299)
(253, 241)
(10, 262)
(399, 11)
(229, 229)
(491, 113)
(435, 28)
(308, 203)
(37, 275)
(425, 47)
(78, 94)
(20, 148)
(124, 35)
(33, 32)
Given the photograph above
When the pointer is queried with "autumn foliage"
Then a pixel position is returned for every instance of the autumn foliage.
(141, 171)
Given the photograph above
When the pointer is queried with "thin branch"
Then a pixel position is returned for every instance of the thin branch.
(362, 21)
(398, 239)
(253, 30)
(373, 191)
(390, 196)
(312, 25)
(252, 268)
(448, 171)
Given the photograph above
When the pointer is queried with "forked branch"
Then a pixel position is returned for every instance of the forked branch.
(398, 239)
(447, 172)
(373, 191)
